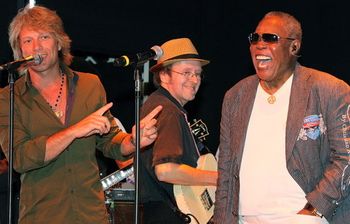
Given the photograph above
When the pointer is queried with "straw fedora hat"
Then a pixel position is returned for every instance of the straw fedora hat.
(177, 50)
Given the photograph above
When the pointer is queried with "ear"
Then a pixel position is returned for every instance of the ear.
(294, 47)
(164, 76)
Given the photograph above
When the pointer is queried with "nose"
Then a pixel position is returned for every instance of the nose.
(260, 44)
(37, 45)
(195, 78)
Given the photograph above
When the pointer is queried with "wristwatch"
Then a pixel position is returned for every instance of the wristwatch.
(313, 210)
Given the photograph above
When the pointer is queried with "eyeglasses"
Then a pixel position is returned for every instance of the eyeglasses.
(189, 74)
(266, 37)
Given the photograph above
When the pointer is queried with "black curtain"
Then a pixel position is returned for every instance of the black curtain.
(219, 30)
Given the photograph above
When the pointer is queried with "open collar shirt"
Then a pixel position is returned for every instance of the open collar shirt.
(65, 189)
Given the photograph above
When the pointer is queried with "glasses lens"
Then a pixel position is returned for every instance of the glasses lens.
(253, 38)
(269, 37)
(193, 74)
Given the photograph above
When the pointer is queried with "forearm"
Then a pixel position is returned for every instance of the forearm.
(58, 142)
(127, 145)
(182, 174)
(116, 145)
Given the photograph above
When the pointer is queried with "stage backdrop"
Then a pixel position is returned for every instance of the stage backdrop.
(101, 30)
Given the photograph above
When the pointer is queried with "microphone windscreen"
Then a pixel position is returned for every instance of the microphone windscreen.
(37, 59)
(158, 50)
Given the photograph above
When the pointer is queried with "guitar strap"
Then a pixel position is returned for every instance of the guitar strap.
(174, 208)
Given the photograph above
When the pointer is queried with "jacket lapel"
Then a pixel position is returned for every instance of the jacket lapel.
(297, 108)
(246, 107)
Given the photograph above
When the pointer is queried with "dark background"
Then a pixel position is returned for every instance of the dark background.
(219, 29)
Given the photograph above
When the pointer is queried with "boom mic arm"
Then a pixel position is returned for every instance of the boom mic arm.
(154, 53)
(37, 59)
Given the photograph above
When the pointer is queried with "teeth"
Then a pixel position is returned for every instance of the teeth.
(263, 57)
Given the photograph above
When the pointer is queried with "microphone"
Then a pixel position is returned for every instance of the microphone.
(37, 59)
(154, 53)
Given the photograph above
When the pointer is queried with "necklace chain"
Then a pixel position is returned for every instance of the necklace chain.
(58, 113)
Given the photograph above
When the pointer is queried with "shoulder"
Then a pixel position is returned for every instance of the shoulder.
(242, 87)
(156, 99)
(87, 80)
(86, 77)
(320, 80)
(19, 87)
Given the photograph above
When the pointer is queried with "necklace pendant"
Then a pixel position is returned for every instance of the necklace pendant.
(59, 113)
(271, 99)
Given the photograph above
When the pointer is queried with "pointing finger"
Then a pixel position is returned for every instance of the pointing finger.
(103, 109)
(152, 114)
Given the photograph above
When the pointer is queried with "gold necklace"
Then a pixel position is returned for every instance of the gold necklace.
(271, 99)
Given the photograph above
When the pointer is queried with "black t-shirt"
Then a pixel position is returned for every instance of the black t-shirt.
(174, 143)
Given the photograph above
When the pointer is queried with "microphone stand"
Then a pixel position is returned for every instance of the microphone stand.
(11, 81)
(11, 68)
(138, 85)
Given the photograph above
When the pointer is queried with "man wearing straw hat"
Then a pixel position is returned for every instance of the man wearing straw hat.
(173, 156)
